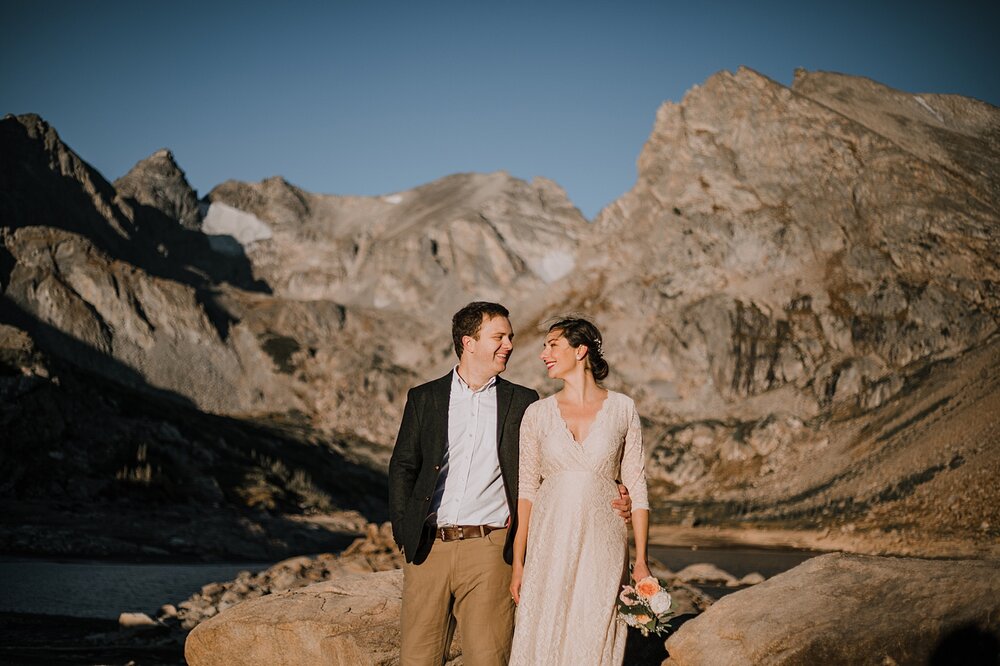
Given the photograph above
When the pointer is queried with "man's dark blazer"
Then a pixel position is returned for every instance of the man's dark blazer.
(420, 450)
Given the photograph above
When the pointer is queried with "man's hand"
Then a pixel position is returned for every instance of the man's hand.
(623, 505)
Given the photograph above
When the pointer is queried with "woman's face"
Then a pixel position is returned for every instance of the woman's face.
(559, 357)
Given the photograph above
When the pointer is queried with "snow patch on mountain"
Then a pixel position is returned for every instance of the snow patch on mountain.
(554, 265)
(223, 220)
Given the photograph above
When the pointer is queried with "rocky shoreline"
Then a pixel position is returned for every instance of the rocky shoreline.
(160, 638)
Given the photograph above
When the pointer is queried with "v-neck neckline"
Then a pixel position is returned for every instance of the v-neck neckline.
(590, 430)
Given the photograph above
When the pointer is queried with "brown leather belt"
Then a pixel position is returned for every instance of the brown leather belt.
(462, 532)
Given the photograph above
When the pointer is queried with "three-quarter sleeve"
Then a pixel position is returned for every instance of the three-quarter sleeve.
(529, 457)
(634, 462)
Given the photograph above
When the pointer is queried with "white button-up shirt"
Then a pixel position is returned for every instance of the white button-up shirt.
(470, 488)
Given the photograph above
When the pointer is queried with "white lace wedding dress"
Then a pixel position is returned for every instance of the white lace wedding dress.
(577, 545)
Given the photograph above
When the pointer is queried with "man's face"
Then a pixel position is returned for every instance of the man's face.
(489, 353)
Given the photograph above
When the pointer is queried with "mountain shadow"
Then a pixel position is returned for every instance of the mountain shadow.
(101, 467)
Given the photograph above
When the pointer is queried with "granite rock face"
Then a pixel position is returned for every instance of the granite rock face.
(795, 258)
(799, 268)
(822, 612)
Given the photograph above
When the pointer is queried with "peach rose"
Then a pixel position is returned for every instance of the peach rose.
(642, 619)
(647, 587)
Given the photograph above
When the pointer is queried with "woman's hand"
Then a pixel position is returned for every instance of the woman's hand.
(640, 571)
(515, 584)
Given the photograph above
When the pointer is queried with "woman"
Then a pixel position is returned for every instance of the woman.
(571, 550)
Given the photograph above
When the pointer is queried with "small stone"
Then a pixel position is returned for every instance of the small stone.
(706, 573)
(135, 620)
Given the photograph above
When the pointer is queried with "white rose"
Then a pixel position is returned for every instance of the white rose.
(660, 603)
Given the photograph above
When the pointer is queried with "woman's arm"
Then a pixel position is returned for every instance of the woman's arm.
(520, 548)
(640, 530)
(529, 479)
(634, 477)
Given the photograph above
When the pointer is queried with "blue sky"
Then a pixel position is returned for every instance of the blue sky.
(374, 97)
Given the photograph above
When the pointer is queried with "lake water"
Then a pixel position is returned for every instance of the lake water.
(105, 589)
(737, 561)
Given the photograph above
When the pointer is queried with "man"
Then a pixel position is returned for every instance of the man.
(453, 497)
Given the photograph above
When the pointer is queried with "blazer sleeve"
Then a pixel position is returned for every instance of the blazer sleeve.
(404, 465)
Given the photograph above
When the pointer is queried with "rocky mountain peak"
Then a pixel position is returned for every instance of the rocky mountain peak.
(159, 182)
(79, 200)
(462, 236)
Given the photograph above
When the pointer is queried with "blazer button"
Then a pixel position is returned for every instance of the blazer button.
(437, 467)
(427, 499)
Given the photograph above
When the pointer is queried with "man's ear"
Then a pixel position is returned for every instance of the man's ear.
(467, 341)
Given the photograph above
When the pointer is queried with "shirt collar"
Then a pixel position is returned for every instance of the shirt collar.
(457, 381)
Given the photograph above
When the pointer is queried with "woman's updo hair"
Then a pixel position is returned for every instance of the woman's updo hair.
(581, 332)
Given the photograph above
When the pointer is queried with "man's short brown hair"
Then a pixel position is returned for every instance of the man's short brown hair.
(469, 320)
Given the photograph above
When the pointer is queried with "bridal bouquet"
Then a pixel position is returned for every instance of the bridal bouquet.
(646, 606)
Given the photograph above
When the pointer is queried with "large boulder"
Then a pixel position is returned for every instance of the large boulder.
(351, 620)
(848, 609)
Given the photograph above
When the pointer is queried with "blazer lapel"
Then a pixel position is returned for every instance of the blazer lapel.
(438, 421)
(505, 390)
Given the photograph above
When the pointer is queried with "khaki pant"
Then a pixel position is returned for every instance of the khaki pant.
(466, 582)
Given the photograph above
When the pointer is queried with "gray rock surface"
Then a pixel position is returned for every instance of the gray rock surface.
(846, 609)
